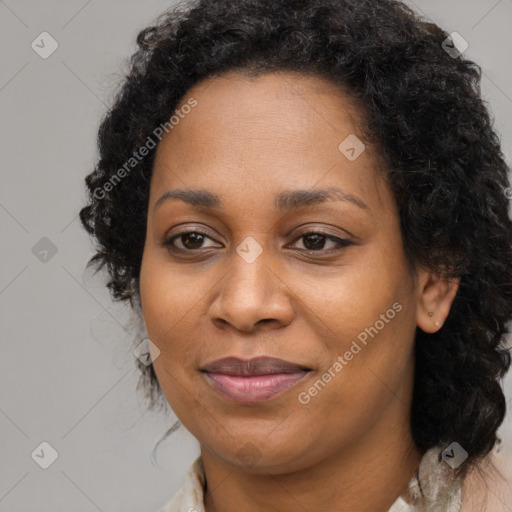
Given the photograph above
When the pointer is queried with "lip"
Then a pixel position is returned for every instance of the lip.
(254, 389)
(254, 380)
(261, 365)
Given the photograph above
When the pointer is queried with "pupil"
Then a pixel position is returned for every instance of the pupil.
(196, 238)
(318, 241)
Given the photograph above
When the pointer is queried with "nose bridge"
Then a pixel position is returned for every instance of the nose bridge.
(250, 269)
(251, 291)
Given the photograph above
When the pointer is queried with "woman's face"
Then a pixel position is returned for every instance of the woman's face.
(261, 263)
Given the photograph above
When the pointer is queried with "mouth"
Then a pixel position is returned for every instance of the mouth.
(256, 380)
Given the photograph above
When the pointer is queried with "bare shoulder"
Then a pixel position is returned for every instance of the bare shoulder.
(488, 488)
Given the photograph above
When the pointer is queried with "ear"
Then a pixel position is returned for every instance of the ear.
(435, 298)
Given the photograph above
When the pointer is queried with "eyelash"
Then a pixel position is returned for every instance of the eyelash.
(341, 242)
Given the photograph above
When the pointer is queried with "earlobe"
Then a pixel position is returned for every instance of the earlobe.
(435, 299)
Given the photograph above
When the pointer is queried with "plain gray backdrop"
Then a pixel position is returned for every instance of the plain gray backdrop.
(67, 374)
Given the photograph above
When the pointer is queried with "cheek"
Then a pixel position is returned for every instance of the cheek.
(169, 297)
(361, 381)
(162, 308)
(368, 316)
(355, 295)
(172, 304)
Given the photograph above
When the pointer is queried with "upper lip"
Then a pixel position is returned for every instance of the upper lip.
(262, 365)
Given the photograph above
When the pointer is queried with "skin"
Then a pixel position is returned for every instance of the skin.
(247, 140)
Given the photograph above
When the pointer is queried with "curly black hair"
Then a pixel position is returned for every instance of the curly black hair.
(422, 105)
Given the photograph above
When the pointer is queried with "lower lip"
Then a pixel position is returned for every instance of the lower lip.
(253, 389)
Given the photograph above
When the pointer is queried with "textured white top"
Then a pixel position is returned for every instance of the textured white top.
(433, 488)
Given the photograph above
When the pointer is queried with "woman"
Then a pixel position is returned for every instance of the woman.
(305, 202)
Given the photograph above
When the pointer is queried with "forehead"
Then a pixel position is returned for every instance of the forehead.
(277, 130)
(297, 106)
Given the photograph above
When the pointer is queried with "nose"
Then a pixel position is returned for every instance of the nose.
(252, 295)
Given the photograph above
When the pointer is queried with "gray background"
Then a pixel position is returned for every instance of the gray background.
(67, 375)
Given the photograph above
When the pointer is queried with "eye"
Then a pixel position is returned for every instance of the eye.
(315, 241)
(189, 240)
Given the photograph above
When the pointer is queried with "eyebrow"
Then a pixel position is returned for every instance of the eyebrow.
(285, 201)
